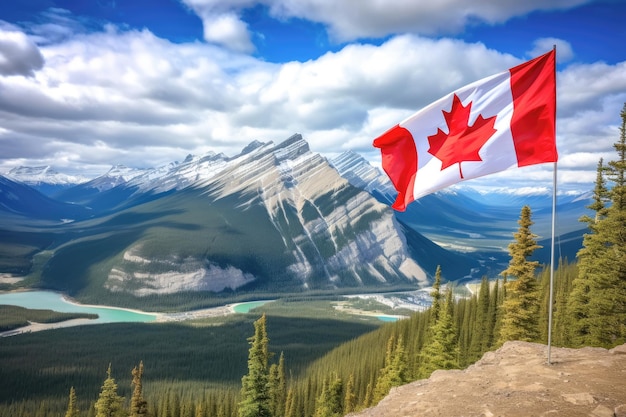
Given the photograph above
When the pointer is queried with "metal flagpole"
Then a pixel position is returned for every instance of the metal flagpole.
(551, 307)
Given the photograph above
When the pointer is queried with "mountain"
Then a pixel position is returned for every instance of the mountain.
(277, 218)
(20, 200)
(84, 192)
(464, 219)
(44, 179)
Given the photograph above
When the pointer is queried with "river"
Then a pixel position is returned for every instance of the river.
(49, 300)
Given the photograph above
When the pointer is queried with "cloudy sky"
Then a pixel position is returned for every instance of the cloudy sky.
(87, 84)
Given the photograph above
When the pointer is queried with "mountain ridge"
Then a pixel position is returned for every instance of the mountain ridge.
(276, 218)
(199, 225)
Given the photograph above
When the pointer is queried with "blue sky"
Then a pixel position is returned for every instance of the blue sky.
(88, 84)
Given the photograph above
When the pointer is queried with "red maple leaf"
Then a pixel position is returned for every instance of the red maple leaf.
(462, 142)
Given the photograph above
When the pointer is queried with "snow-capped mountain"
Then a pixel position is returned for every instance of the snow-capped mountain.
(45, 179)
(331, 234)
(43, 174)
(274, 218)
(118, 174)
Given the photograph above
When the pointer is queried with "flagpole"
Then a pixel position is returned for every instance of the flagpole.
(551, 305)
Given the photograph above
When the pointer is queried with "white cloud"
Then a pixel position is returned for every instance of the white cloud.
(18, 54)
(228, 30)
(131, 98)
(564, 51)
(350, 20)
(358, 19)
(222, 23)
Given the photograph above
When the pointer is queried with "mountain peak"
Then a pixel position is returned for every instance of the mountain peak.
(291, 147)
(255, 144)
(43, 174)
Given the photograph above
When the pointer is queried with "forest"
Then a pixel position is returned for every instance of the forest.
(282, 377)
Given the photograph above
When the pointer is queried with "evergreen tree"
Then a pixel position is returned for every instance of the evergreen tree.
(492, 315)
(521, 304)
(435, 294)
(442, 352)
(349, 397)
(72, 406)
(277, 386)
(394, 373)
(290, 404)
(369, 395)
(330, 402)
(479, 332)
(138, 405)
(578, 302)
(467, 311)
(596, 307)
(109, 403)
(255, 397)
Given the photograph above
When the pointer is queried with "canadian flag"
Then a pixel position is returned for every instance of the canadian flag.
(503, 121)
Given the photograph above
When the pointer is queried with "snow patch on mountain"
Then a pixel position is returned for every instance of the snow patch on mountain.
(43, 175)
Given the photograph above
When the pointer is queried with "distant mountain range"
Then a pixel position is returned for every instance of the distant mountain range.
(277, 218)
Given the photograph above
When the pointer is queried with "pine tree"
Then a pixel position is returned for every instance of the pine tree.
(596, 307)
(467, 309)
(255, 395)
(109, 403)
(441, 352)
(435, 294)
(72, 406)
(394, 372)
(290, 404)
(330, 402)
(277, 386)
(578, 302)
(609, 306)
(479, 331)
(349, 397)
(138, 405)
(492, 315)
(521, 304)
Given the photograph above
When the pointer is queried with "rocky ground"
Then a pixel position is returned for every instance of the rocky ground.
(516, 380)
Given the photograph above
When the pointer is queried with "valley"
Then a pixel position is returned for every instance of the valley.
(188, 247)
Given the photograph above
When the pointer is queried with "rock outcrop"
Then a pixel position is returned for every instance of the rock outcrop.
(516, 380)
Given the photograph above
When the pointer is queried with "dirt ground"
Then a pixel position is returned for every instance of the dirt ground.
(516, 380)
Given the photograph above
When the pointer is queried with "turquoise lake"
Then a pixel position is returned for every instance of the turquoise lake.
(246, 307)
(54, 301)
(49, 300)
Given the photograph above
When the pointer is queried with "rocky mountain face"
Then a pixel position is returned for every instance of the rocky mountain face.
(462, 219)
(333, 235)
(275, 218)
(44, 179)
(517, 381)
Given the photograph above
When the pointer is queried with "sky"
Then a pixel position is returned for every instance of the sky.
(88, 84)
